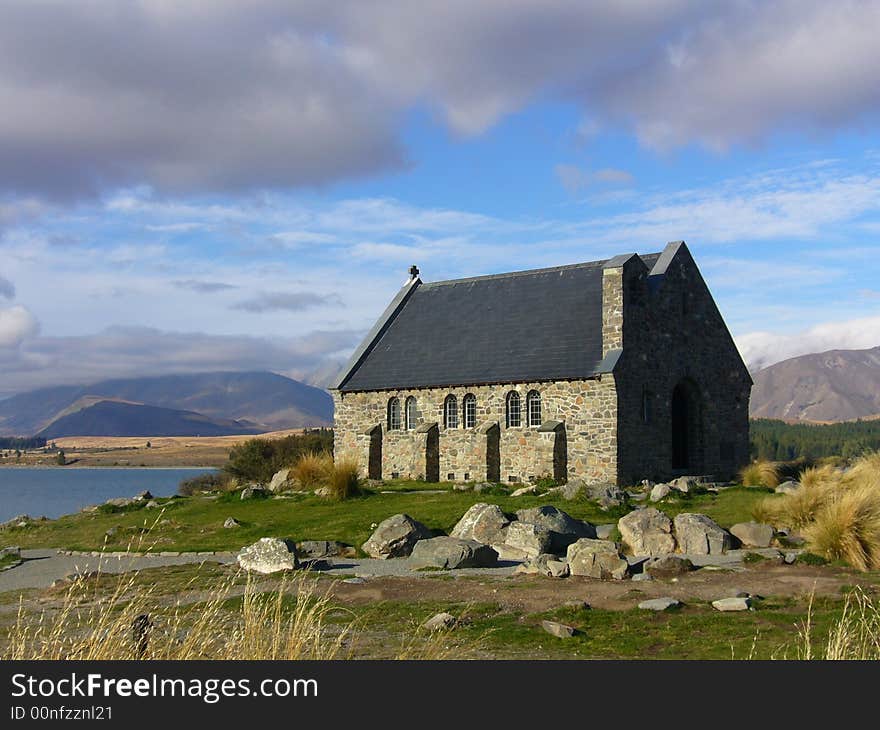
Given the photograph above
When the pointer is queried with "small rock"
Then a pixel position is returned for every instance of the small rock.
(659, 604)
(323, 492)
(283, 481)
(659, 492)
(522, 491)
(573, 489)
(440, 622)
(667, 566)
(152, 504)
(753, 534)
(268, 555)
(790, 558)
(577, 605)
(144, 496)
(253, 491)
(557, 568)
(395, 537)
(638, 577)
(789, 487)
(460, 488)
(685, 484)
(483, 487)
(120, 501)
(112, 532)
(732, 604)
(231, 522)
(12, 550)
(604, 532)
(354, 581)
(557, 629)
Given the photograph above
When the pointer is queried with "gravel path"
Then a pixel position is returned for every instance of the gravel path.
(41, 567)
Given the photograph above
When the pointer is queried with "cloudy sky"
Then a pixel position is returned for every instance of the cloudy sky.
(191, 186)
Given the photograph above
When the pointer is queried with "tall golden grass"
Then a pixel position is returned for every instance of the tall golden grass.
(854, 636)
(312, 469)
(343, 480)
(131, 623)
(837, 511)
(760, 474)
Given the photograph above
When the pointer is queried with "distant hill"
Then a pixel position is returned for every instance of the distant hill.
(131, 419)
(271, 402)
(839, 385)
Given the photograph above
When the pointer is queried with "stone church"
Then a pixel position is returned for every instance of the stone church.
(608, 371)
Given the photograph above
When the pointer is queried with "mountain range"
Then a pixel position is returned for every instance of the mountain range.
(838, 385)
(222, 403)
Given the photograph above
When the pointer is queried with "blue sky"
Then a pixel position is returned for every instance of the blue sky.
(187, 187)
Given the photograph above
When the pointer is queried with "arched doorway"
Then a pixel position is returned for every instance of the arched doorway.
(687, 431)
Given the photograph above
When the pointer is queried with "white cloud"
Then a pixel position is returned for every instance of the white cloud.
(761, 349)
(16, 324)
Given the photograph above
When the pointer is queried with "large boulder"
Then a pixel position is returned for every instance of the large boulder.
(753, 534)
(283, 481)
(564, 529)
(527, 539)
(268, 555)
(482, 522)
(395, 537)
(450, 553)
(606, 495)
(596, 559)
(647, 532)
(700, 535)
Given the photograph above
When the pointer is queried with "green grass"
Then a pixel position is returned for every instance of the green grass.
(196, 523)
(8, 560)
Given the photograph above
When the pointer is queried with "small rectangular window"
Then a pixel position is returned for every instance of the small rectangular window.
(395, 475)
(450, 477)
(467, 477)
(513, 478)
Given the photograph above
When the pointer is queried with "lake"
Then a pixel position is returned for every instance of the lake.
(54, 492)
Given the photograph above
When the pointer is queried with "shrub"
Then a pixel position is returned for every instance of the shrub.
(760, 474)
(343, 480)
(312, 469)
(257, 460)
(210, 482)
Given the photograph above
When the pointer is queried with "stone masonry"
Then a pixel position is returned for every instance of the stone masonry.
(666, 340)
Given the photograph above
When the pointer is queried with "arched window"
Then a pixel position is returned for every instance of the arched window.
(394, 414)
(533, 406)
(513, 415)
(450, 412)
(410, 413)
(469, 406)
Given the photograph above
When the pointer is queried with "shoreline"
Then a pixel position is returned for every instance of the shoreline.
(99, 466)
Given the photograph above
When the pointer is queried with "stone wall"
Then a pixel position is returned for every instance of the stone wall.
(673, 333)
(579, 438)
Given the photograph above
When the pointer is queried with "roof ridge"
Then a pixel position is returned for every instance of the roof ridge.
(526, 272)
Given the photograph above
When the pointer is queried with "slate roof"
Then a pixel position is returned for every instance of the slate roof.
(538, 325)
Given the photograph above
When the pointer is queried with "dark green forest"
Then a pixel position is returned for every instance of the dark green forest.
(780, 441)
(34, 442)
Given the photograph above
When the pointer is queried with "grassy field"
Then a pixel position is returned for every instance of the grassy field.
(196, 523)
(502, 628)
(132, 451)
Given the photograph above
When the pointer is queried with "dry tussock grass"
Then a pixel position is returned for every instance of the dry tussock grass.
(312, 469)
(837, 511)
(760, 474)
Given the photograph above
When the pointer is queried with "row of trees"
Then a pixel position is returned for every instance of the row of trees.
(13, 443)
(780, 441)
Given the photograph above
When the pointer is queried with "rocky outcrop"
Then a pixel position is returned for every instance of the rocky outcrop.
(449, 553)
(268, 555)
(647, 532)
(699, 535)
(482, 522)
(395, 537)
(596, 559)
(753, 534)
(564, 529)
